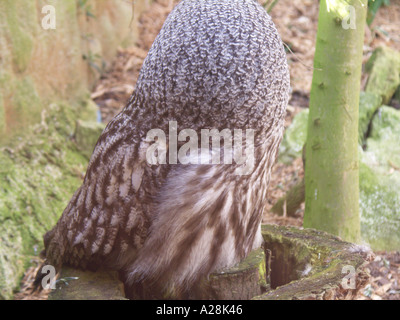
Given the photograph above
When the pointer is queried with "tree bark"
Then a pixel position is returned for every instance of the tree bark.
(331, 174)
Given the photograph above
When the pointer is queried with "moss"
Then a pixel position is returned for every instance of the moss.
(38, 176)
(323, 255)
(384, 70)
(86, 135)
(383, 148)
(294, 250)
(294, 138)
(379, 208)
(11, 246)
(386, 123)
(262, 271)
(380, 182)
(89, 110)
(253, 260)
(369, 103)
(368, 179)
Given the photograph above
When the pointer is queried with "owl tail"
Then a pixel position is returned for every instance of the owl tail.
(189, 238)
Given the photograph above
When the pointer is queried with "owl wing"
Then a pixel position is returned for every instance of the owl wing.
(104, 223)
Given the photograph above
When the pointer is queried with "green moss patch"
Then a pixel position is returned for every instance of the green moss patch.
(294, 138)
(308, 264)
(369, 104)
(380, 182)
(384, 70)
(39, 173)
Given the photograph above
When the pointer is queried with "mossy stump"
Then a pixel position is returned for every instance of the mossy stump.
(294, 264)
(308, 264)
(241, 282)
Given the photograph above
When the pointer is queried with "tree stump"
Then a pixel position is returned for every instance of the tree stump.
(294, 264)
(75, 284)
(241, 282)
(308, 264)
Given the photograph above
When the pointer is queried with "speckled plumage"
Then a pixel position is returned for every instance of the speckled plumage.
(215, 64)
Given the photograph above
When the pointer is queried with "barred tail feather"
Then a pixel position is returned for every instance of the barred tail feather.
(192, 235)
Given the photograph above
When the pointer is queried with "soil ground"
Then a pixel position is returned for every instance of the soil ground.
(296, 21)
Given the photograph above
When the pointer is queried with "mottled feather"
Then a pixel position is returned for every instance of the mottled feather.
(215, 64)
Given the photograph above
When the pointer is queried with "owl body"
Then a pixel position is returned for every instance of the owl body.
(214, 65)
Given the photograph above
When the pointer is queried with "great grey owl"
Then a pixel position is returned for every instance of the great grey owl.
(216, 64)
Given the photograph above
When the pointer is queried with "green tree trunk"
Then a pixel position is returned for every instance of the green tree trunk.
(331, 174)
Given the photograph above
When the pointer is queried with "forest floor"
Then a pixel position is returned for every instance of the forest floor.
(296, 21)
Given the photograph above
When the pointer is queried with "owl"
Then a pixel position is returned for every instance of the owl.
(177, 182)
